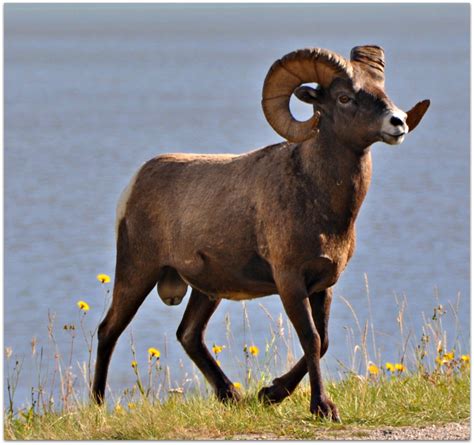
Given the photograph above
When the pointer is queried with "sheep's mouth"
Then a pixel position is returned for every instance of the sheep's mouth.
(393, 139)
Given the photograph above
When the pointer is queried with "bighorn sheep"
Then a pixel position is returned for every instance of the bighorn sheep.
(278, 220)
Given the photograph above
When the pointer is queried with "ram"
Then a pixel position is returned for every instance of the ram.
(278, 220)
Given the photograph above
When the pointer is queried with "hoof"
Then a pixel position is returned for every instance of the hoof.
(228, 395)
(273, 394)
(326, 409)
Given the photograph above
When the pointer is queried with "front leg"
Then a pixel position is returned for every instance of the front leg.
(283, 386)
(297, 306)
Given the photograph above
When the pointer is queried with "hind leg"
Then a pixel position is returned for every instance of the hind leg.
(283, 386)
(191, 335)
(127, 298)
(134, 280)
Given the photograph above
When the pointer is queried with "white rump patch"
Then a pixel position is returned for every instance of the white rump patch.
(122, 202)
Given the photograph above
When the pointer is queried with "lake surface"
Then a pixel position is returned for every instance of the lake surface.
(93, 91)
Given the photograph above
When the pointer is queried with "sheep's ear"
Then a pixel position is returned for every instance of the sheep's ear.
(307, 94)
(416, 113)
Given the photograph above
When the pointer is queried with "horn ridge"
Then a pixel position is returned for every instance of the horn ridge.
(369, 55)
(285, 75)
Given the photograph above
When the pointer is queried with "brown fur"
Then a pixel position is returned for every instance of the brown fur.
(279, 220)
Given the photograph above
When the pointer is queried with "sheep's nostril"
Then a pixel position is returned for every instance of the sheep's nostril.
(395, 121)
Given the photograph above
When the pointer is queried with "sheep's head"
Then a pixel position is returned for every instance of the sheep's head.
(350, 97)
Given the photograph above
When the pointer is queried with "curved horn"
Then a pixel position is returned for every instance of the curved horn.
(372, 55)
(285, 75)
(372, 58)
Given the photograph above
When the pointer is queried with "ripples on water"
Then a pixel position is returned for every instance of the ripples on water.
(93, 91)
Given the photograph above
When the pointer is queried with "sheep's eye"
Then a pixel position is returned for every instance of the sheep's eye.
(344, 99)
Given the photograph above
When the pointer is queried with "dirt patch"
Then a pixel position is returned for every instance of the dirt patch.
(450, 431)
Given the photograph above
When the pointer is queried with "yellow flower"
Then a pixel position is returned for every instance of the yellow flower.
(216, 349)
(237, 385)
(103, 278)
(131, 405)
(465, 358)
(253, 350)
(83, 305)
(449, 356)
(373, 369)
(441, 361)
(154, 352)
(118, 409)
(400, 367)
(134, 364)
(390, 367)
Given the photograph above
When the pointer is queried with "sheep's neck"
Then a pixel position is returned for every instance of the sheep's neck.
(341, 173)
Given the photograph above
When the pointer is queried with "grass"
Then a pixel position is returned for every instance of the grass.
(414, 400)
(430, 385)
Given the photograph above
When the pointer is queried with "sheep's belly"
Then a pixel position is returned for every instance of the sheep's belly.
(238, 296)
(218, 278)
(241, 290)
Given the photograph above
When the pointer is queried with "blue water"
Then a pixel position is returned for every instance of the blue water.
(92, 91)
